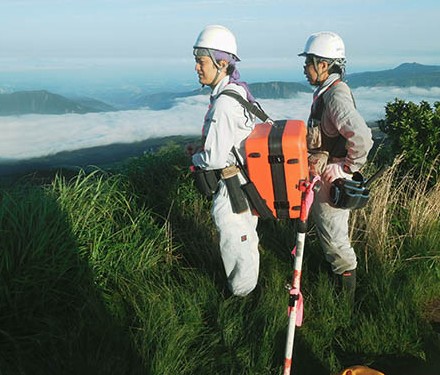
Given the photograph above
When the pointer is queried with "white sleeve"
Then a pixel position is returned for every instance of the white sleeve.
(225, 116)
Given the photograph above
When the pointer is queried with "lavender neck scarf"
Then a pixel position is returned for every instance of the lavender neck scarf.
(235, 74)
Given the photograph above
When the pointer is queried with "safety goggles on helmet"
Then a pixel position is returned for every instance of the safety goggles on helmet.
(215, 55)
(309, 60)
(314, 59)
(199, 52)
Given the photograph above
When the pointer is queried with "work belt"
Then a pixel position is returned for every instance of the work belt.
(206, 182)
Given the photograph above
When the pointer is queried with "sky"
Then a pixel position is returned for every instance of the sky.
(115, 47)
(157, 35)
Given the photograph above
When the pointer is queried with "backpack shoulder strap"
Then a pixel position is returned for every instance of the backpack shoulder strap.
(249, 106)
(318, 105)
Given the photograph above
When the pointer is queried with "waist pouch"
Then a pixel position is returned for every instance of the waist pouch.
(233, 185)
(314, 136)
(206, 181)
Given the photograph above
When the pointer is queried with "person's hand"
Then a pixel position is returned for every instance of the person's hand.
(191, 149)
(334, 171)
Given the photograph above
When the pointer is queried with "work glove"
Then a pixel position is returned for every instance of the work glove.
(191, 149)
(334, 171)
(317, 162)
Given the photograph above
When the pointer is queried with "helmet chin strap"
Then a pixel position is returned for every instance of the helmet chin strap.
(319, 82)
(315, 66)
(219, 68)
(214, 81)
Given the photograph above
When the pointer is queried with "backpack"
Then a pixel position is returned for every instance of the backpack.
(276, 162)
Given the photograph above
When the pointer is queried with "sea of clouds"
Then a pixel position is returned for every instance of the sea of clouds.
(31, 136)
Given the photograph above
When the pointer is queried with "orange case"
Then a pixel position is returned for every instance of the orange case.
(276, 157)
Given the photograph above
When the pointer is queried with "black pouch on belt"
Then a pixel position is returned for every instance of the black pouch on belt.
(233, 185)
(206, 181)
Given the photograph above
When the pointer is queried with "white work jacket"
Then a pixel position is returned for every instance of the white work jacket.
(227, 123)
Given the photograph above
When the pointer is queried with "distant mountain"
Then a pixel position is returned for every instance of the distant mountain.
(405, 75)
(165, 100)
(94, 104)
(263, 90)
(277, 90)
(44, 102)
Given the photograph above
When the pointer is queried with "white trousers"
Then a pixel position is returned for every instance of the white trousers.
(332, 229)
(238, 244)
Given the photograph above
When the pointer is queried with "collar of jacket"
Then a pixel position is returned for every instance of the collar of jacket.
(327, 84)
(219, 87)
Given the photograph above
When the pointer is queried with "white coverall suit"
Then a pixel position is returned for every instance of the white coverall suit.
(228, 124)
(339, 117)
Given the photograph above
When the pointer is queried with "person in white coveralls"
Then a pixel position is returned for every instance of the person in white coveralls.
(226, 125)
(338, 141)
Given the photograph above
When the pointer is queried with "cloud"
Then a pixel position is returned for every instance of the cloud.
(371, 101)
(31, 136)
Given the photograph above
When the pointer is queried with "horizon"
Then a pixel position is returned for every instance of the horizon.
(103, 79)
(148, 44)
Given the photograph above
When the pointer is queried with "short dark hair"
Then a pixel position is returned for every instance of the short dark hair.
(230, 69)
(335, 69)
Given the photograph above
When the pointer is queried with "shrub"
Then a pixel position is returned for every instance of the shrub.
(414, 131)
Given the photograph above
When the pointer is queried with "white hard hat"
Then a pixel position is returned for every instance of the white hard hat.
(325, 44)
(219, 38)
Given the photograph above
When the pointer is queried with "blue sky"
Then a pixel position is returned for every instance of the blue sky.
(379, 34)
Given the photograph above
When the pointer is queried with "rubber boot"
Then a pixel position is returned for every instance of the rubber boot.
(348, 284)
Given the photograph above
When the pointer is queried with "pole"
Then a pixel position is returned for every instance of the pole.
(295, 309)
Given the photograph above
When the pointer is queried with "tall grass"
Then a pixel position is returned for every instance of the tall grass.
(119, 273)
(402, 209)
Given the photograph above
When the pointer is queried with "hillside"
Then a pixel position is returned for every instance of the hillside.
(118, 272)
(44, 102)
(100, 156)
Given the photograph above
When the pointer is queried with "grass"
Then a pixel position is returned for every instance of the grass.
(119, 273)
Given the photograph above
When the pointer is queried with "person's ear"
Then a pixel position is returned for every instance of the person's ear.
(223, 65)
(324, 65)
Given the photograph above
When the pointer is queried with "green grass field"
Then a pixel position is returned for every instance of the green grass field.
(118, 272)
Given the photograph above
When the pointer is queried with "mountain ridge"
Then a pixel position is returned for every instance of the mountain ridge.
(45, 102)
(48, 103)
(404, 75)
